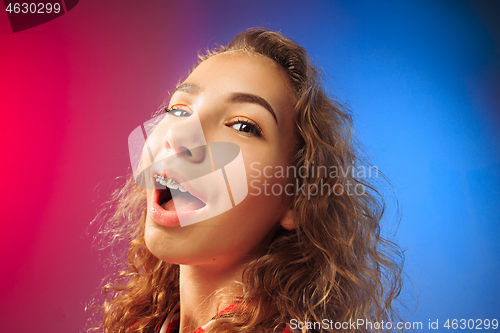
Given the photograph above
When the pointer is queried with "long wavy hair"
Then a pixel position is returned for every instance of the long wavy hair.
(334, 265)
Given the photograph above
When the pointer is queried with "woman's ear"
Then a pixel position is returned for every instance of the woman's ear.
(288, 220)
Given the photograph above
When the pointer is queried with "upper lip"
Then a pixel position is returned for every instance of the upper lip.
(174, 176)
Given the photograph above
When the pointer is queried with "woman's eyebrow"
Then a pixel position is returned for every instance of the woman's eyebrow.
(189, 88)
(236, 97)
(250, 98)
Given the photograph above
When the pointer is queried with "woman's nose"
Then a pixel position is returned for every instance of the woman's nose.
(185, 139)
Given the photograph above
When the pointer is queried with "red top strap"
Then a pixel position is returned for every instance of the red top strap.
(171, 322)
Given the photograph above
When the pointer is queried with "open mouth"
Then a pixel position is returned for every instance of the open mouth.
(168, 189)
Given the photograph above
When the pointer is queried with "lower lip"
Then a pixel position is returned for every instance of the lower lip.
(167, 218)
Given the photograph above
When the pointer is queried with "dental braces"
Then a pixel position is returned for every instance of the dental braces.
(170, 183)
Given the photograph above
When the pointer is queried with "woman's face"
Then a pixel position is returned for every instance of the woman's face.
(237, 98)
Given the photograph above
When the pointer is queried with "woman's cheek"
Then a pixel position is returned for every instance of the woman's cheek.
(267, 183)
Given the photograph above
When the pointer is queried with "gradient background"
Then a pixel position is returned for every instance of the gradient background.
(421, 77)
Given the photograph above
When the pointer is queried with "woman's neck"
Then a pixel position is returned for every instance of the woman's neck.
(207, 289)
(201, 288)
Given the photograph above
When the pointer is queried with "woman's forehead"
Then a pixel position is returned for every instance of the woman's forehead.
(245, 72)
(242, 63)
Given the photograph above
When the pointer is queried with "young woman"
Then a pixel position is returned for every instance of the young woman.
(285, 238)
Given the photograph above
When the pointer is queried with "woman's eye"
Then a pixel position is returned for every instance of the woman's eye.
(177, 112)
(247, 127)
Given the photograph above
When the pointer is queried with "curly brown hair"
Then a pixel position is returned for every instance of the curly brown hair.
(335, 264)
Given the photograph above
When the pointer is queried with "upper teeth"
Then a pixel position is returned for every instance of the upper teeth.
(170, 183)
